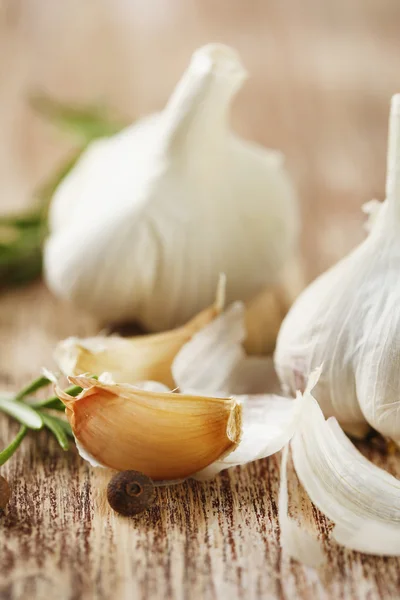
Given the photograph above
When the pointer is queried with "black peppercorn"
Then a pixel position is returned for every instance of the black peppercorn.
(130, 493)
(5, 493)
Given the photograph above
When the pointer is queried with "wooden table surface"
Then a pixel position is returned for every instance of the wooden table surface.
(322, 74)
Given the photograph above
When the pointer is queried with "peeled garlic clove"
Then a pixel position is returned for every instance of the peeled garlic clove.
(361, 499)
(166, 436)
(348, 319)
(146, 221)
(130, 360)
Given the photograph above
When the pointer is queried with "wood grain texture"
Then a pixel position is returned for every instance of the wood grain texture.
(322, 74)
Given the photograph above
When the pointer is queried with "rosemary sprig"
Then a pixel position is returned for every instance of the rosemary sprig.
(22, 412)
(33, 415)
(54, 425)
(86, 123)
(13, 446)
(53, 402)
(33, 387)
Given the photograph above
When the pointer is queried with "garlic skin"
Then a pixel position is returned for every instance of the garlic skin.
(362, 500)
(348, 320)
(144, 224)
(295, 541)
(166, 436)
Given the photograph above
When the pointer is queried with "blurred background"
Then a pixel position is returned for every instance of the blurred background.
(321, 77)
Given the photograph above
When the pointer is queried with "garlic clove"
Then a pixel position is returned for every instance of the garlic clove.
(166, 436)
(130, 360)
(361, 499)
(145, 222)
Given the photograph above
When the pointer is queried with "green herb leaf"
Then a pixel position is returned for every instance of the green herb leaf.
(37, 384)
(22, 235)
(21, 254)
(66, 426)
(54, 425)
(22, 413)
(11, 448)
(88, 123)
(54, 402)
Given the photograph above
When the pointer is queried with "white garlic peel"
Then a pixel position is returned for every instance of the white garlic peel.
(349, 321)
(362, 500)
(268, 423)
(295, 541)
(146, 221)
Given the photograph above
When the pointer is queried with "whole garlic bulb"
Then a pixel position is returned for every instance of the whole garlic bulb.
(148, 219)
(349, 321)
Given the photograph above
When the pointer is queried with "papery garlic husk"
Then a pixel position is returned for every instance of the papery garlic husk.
(214, 360)
(164, 435)
(268, 423)
(146, 221)
(295, 540)
(135, 359)
(362, 500)
(349, 321)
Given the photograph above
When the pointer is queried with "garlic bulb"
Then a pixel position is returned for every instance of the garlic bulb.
(349, 321)
(144, 224)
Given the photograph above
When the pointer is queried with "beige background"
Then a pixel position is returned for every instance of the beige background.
(322, 74)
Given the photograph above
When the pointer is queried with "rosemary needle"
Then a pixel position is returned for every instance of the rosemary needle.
(54, 425)
(37, 384)
(11, 448)
(22, 412)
